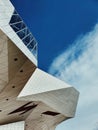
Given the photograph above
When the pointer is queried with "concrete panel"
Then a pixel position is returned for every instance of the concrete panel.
(40, 82)
(51, 91)
(13, 126)
(7, 8)
(63, 101)
(3, 60)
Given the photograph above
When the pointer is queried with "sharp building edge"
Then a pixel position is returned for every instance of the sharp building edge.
(29, 97)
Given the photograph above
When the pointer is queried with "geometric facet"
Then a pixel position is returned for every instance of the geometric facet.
(13, 126)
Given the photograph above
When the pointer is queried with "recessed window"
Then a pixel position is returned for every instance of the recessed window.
(13, 86)
(15, 59)
(21, 71)
(51, 113)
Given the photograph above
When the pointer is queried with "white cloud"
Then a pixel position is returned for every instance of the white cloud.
(79, 66)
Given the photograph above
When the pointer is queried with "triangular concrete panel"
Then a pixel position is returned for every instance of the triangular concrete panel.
(41, 82)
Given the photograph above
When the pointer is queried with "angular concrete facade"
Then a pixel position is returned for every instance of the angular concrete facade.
(28, 94)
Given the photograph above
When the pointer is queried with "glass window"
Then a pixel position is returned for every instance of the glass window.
(28, 38)
(26, 31)
(23, 32)
(15, 18)
(33, 42)
(31, 45)
(20, 25)
(34, 51)
(14, 28)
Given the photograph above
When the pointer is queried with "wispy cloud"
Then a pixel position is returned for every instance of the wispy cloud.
(78, 66)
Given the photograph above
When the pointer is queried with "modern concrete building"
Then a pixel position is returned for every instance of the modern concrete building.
(30, 99)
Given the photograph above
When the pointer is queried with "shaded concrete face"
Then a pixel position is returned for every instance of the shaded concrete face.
(18, 70)
(3, 60)
(27, 93)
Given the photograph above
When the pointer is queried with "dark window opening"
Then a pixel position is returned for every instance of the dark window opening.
(50, 113)
(23, 32)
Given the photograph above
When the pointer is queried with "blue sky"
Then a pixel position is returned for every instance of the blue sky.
(67, 31)
(57, 23)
